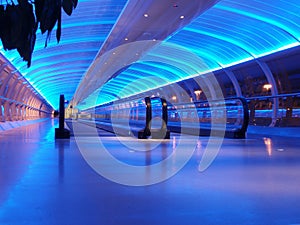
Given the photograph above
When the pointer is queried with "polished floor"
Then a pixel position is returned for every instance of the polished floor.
(48, 182)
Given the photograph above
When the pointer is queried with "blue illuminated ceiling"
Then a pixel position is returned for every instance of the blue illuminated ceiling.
(234, 31)
(229, 33)
(59, 68)
(223, 34)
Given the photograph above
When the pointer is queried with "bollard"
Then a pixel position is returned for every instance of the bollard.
(61, 132)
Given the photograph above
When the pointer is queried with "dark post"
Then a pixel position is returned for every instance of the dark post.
(148, 116)
(165, 119)
(164, 114)
(62, 112)
(61, 132)
(146, 132)
(163, 132)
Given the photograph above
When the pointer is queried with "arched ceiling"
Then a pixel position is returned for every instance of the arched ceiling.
(107, 45)
(58, 68)
(229, 33)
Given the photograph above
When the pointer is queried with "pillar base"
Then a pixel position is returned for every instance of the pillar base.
(160, 134)
(62, 133)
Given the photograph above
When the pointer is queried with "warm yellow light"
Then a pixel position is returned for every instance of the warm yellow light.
(174, 98)
(268, 143)
(267, 86)
(197, 92)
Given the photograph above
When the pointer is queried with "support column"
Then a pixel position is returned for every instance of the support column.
(20, 117)
(29, 115)
(2, 67)
(13, 111)
(36, 113)
(208, 84)
(41, 113)
(12, 88)
(30, 103)
(61, 132)
(26, 113)
(25, 98)
(234, 81)
(274, 91)
(19, 95)
(4, 86)
(2, 118)
(7, 111)
(20, 111)
(192, 91)
(23, 112)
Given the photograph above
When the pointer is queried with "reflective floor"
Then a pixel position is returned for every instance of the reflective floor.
(43, 181)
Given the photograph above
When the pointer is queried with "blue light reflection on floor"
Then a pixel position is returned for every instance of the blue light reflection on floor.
(253, 181)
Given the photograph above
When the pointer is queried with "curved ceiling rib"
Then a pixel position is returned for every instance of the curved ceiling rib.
(273, 14)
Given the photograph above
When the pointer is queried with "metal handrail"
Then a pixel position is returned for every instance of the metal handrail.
(246, 116)
(273, 96)
(23, 104)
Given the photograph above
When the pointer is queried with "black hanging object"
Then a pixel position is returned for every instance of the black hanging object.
(28, 34)
(75, 2)
(39, 6)
(2, 23)
(19, 30)
(49, 13)
(13, 27)
(18, 24)
(58, 30)
(68, 6)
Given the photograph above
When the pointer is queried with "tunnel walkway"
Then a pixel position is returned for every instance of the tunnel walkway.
(43, 181)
